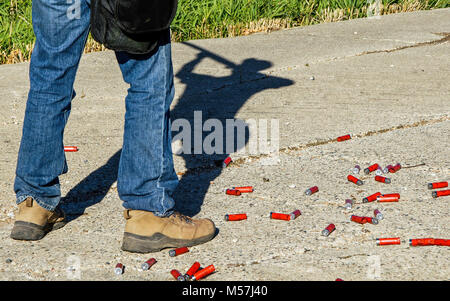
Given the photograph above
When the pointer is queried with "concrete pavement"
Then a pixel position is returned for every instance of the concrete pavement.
(384, 80)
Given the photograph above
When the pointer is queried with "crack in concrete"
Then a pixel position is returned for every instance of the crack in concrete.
(446, 38)
(289, 149)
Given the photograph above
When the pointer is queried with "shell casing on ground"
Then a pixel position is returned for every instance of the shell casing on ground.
(233, 192)
(294, 214)
(371, 168)
(382, 179)
(69, 148)
(204, 272)
(440, 193)
(119, 269)
(328, 230)
(226, 162)
(364, 219)
(244, 189)
(148, 264)
(311, 190)
(387, 199)
(177, 275)
(344, 138)
(397, 167)
(396, 195)
(371, 198)
(348, 204)
(378, 215)
(235, 217)
(178, 251)
(280, 216)
(388, 241)
(355, 170)
(192, 270)
(437, 185)
(354, 180)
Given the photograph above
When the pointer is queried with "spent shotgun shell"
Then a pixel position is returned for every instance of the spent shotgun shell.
(203, 272)
(397, 167)
(232, 192)
(371, 168)
(437, 185)
(355, 180)
(312, 190)
(439, 193)
(429, 242)
(70, 148)
(382, 179)
(371, 198)
(178, 251)
(235, 217)
(244, 189)
(355, 170)
(295, 214)
(363, 219)
(148, 264)
(177, 275)
(388, 241)
(395, 195)
(281, 216)
(348, 204)
(379, 171)
(343, 138)
(119, 269)
(192, 270)
(327, 231)
(387, 199)
(226, 162)
(379, 216)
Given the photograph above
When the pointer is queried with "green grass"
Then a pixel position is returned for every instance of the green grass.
(200, 19)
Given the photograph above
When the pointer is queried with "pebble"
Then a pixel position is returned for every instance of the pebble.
(8, 260)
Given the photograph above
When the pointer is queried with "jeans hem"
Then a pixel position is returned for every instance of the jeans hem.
(41, 202)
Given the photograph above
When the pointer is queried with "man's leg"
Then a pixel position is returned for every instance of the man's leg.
(61, 28)
(147, 177)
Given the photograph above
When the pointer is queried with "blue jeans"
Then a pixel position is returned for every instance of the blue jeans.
(146, 177)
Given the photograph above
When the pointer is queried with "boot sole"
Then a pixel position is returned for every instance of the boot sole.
(29, 231)
(157, 242)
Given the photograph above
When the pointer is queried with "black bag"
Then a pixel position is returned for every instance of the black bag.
(133, 26)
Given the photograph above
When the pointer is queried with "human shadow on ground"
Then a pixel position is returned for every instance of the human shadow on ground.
(218, 97)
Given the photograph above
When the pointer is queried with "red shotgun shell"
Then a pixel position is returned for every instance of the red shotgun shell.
(439, 193)
(441, 242)
(355, 180)
(203, 272)
(348, 204)
(70, 148)
(378, 215)
(387, 199)
(343, 138)
(232, 192)
(282, 216)
(312, 190)
(178, 251)
(382, 179)
(437, 185)
(355, 170)
(390, 168)
(244, 189)
(327, 231)
(364, 219)
(371, 168)
(148, 264)
(226, 162)
(395, 195)
(388, 241)
(192, 270)
(339, 279)
(235, 217)
(421, 242)
(371, 198)
(397, 167)
(177, 275)
(119, 269)
(295, 214)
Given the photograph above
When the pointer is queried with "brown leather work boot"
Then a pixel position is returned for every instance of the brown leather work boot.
(33, 221)
(146, 232)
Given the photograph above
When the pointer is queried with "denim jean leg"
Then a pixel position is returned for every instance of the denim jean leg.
(61, 28)
(147, 178)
